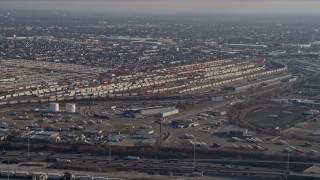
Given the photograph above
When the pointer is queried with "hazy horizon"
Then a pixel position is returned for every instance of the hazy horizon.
(169, 6)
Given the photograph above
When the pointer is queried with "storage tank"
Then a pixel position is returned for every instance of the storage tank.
(70, 108)
(54, 107)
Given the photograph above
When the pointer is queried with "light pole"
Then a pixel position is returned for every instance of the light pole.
(287, 165)
(8, 169)
(28, 145)
(109, 152)
(194, 156)
(288, 162)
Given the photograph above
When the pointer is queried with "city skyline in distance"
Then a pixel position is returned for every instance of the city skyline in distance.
(169, 6)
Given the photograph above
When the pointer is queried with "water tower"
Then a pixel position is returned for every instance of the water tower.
(54, 107)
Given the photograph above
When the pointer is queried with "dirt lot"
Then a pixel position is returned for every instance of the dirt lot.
(272, 117)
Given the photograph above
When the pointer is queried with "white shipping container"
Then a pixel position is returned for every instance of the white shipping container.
(169, 113)
(69, 98)
(56, 176)
(79, 97)
(60, 99)
(3, 103)
(22, 174)
(7, 173)
(13, 102)
(51, 100)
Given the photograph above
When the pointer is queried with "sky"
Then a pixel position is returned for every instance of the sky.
(169, 6)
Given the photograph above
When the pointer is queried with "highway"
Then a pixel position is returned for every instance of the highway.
(209, 167)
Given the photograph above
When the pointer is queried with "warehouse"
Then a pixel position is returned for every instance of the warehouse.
(169, 113)
(156, 110)
(237, 132)
(38, 137)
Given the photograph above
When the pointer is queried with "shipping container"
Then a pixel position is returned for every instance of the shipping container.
(23, 101)
(22, 174)
(7, 173)
(216, 98)
(54, 176)
(169, 113)
(69, 98)
(3, 103)
(13, 102)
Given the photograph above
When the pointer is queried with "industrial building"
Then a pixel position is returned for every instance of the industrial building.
(169, 113)
(156, 111)
(237, 132)
(38, 137)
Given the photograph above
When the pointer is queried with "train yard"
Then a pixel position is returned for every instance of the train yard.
(57, 84)
(134, 96)
(179, 107)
